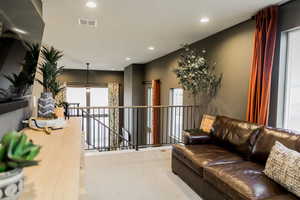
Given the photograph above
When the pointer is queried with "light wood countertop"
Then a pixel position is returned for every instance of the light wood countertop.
(57, 175)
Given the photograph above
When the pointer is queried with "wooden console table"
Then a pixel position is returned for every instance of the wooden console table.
(57, 175)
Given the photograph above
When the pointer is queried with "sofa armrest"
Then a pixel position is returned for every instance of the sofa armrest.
(195, 136)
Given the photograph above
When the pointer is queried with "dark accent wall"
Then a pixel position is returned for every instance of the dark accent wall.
(289, 18)
(232, 50)
(97, 78)
(134, 96)
(133, 85)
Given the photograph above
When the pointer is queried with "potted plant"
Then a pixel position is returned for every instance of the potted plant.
(22, 82)
(197, 76)
(57, 91)
(49, 71)
(16, 152)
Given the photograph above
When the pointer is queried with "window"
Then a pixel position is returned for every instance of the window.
(76, 95)
(175, 113)
(149, 115)
(94, 97)
(292, 81)
(176, 97)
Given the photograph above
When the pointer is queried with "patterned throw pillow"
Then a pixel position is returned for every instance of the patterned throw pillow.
(283, 166)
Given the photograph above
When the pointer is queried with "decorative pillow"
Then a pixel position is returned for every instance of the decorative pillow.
(283, 166)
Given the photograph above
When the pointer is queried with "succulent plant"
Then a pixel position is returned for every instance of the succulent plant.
(17, 151)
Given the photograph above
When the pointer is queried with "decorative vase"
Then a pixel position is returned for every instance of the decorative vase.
(46, 105)
(11, 184)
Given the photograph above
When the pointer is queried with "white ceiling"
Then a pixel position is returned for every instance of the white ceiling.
(126, 28)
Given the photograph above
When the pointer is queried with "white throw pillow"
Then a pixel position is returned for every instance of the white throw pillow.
(283, 166)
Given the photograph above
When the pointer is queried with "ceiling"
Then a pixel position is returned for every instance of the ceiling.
(126, 28)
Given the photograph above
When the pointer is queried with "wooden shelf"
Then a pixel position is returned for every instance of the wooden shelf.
(12, 106)
(57, 177)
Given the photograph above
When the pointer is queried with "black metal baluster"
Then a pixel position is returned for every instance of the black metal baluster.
(137, 128)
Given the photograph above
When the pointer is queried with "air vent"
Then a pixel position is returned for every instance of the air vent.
(88, 22)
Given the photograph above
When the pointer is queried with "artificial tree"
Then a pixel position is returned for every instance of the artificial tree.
(196, 75)
(50, 71)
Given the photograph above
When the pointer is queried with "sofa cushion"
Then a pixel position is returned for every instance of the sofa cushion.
(283, 197)
(266, 140)
(242, 181)
(198, 156)
(235, 134)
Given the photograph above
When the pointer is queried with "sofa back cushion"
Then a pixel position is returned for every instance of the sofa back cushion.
(236, 135)
(267, 138)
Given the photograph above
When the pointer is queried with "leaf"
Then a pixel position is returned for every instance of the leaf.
(195, 73)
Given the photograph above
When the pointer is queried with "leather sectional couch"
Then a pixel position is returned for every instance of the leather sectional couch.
(228, 163)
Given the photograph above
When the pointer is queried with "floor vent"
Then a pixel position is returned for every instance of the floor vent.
(88, 22)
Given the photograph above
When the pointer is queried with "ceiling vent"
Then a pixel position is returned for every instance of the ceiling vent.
(88, 22)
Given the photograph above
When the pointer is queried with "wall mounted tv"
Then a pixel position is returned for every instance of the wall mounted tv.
(17, 31)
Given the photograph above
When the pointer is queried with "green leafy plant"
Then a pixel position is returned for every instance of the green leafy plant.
(24, 80)
(16, 151)
(196, 74)
(50, 71)
(56, 88)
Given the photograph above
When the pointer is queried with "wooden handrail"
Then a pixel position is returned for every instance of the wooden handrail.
(124, 107)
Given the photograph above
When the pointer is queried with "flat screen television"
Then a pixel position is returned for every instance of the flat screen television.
(16, 32)
(12, 54)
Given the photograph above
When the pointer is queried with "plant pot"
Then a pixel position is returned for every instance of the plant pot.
(46, 105)
(59, 112)
(11, 184)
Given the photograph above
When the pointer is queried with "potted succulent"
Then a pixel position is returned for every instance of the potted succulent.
(16, 152)
(49, 71)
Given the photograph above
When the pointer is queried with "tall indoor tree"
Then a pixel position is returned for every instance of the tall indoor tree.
(196, 74)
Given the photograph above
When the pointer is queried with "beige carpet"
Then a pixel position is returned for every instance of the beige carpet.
(143, 175)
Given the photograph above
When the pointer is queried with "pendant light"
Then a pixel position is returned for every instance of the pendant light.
(87, 77)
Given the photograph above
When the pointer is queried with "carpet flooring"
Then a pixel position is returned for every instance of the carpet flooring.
(142, 175)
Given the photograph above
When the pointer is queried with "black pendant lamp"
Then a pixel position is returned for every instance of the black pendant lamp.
(87, 77)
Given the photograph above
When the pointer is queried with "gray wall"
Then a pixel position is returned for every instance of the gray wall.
(289, 18)
(232, 50)
(13, 120)
(133, 85)
(134, 96)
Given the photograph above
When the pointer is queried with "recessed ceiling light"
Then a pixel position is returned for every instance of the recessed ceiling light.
(151, 48)
(91, 4)
(204, 20)
(128, 59)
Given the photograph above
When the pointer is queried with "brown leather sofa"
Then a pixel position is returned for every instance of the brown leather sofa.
(229, 162)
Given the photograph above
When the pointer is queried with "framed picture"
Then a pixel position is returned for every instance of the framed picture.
(207, 123)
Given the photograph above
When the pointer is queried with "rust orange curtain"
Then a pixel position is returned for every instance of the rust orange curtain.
(155, 111)
(260, 80)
